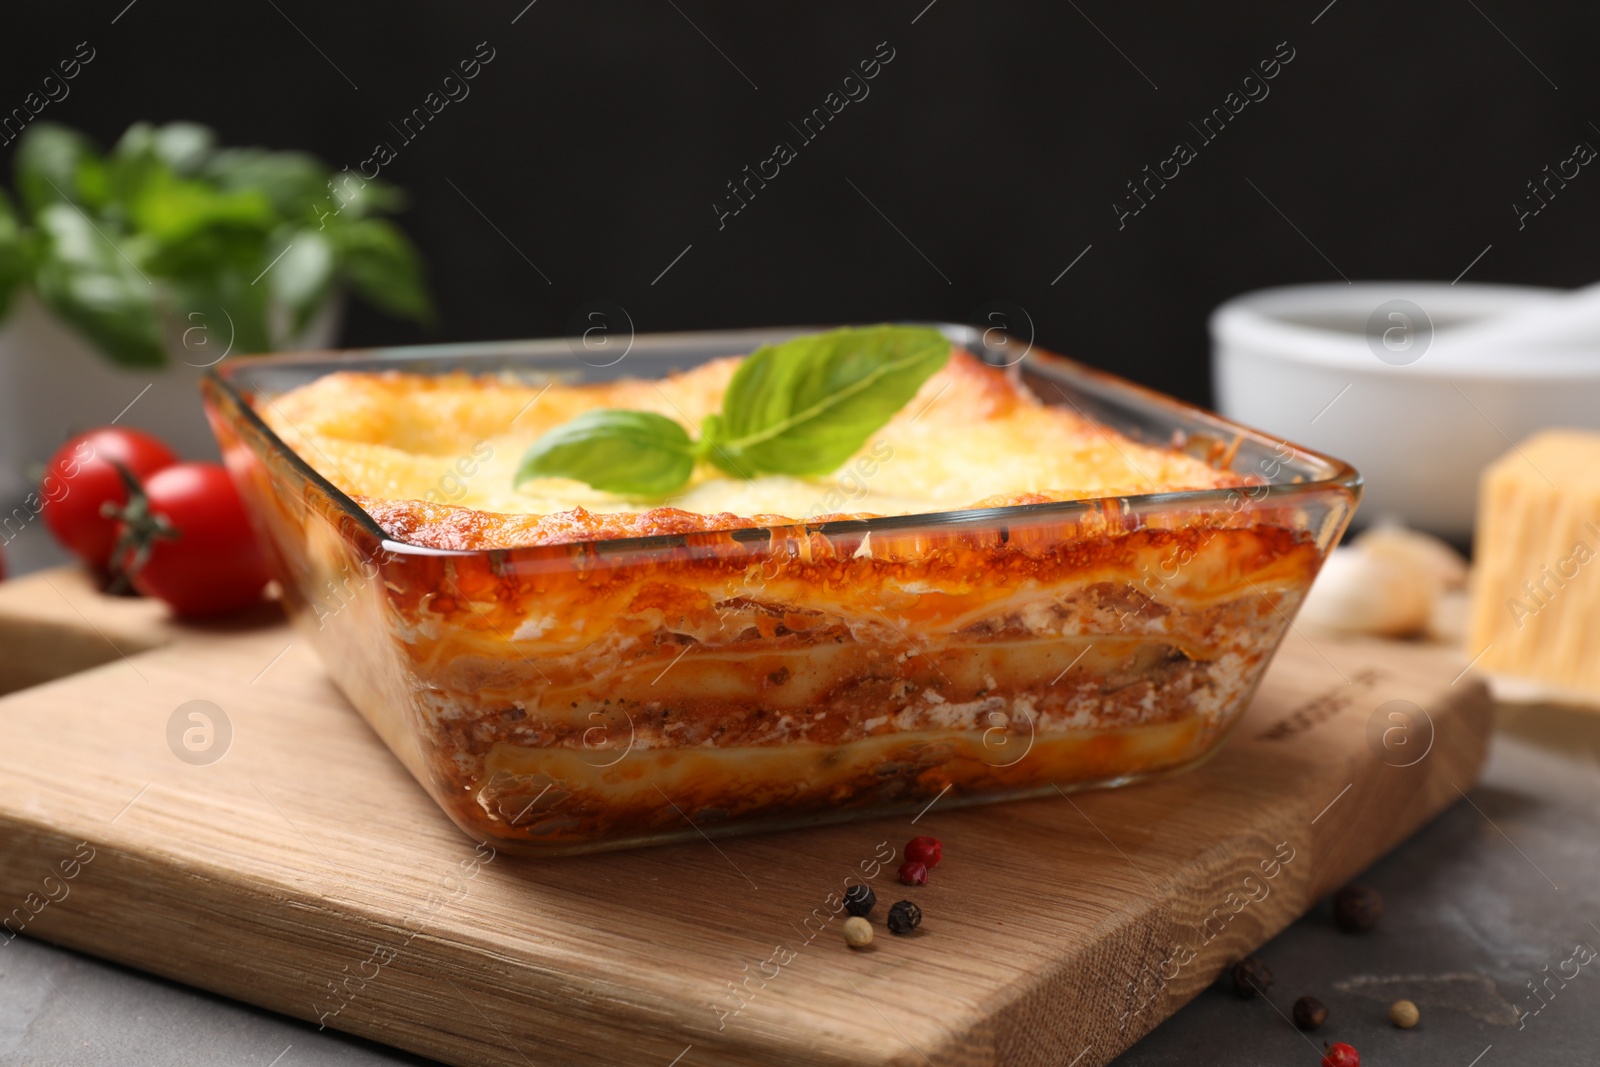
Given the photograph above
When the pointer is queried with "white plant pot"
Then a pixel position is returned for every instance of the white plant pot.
(54, 383)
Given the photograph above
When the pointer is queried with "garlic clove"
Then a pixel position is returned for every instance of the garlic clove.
(1412, 547)
(1360, 591)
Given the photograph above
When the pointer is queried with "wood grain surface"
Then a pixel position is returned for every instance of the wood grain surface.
(305, 871)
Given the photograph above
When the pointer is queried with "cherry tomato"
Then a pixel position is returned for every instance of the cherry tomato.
(82, 476)
(207, 562)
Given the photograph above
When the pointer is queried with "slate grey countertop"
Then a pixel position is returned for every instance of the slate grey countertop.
(1477, 905)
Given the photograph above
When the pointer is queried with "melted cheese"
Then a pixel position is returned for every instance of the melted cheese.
(971, 437)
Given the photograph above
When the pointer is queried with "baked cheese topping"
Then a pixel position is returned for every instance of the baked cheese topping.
(972, 437)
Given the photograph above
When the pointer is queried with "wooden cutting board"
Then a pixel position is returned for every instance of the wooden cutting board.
(305, 872)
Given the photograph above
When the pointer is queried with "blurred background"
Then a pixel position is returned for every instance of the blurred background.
(986, 159)
(1095, 177)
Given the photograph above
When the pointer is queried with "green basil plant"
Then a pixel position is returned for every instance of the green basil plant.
(168, 227)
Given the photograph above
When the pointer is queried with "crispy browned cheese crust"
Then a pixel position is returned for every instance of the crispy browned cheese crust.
(432, 458)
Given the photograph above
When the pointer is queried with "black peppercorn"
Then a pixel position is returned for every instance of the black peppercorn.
(904, 917)
(859, 899)
(1251, 976)
(1357, 908)
(1309, 1013)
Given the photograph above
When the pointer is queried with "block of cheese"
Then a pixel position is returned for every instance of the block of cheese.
(1536, 581)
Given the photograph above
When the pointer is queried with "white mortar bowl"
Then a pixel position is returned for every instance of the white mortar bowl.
(1296, 363)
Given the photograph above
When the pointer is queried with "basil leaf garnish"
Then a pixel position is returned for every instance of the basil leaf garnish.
(634, 453)
(806, 406)
(801, 408)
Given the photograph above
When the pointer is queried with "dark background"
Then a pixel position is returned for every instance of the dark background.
(996, 141)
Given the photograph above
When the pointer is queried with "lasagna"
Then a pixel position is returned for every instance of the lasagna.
(577, 669)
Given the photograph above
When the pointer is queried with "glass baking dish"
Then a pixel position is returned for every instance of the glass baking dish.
(972, 656)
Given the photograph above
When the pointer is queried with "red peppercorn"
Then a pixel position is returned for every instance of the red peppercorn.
(1341, 1055)
(924, 850)
(913, 873)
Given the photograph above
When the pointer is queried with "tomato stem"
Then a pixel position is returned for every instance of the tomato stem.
(139, 530)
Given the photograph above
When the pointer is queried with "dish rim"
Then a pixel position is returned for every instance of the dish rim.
(1339, 474)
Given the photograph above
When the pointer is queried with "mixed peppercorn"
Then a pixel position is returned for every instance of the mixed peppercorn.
(924, 850)
(913, 873)
(859, 899)
(1250, 978)
(1340, 1054)
(1310, 1013)
(1356, 909)
(904, 917)
(857, 932)
(922, 854)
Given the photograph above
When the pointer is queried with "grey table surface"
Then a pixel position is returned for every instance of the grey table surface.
(1482, 904)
